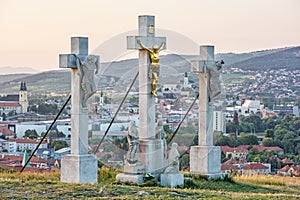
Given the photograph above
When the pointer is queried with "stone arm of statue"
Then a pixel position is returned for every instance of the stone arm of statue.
(162, 46)
(143, 46)
(79, 66)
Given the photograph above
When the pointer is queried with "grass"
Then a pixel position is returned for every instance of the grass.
(14, 185)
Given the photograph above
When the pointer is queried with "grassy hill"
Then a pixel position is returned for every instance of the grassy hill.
(47, 185)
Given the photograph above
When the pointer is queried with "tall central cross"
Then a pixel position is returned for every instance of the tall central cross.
(79, 167)
(146, 101)
(151, 153)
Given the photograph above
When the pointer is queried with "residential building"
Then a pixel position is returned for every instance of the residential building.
(27, 144)
(255, 168)
(219, 121)
(241, 152)
(289, 109)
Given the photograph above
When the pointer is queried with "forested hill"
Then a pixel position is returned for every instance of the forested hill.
(264, 60)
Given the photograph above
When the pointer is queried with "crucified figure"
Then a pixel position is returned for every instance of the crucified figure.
(86, 71)
(154, 65)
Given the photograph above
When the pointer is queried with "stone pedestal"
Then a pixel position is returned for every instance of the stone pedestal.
(151, 155)
(79, 169)
(171, 180)
(205, 160)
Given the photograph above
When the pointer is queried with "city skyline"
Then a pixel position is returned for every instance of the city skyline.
(34, 33)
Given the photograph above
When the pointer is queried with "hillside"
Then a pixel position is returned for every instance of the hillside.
(282, 58)
(47, 186)
(172, 67)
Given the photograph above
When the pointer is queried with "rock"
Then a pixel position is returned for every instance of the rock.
(142, 193)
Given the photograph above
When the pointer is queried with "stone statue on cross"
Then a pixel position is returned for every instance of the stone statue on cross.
(154, 65)
(86, 71)
(214, 82)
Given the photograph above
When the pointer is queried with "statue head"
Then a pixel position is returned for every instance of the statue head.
(155, 48)
(174, 146)
(91, 59)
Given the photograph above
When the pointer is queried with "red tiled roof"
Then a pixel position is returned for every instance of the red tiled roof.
(14, 158)
(6, 132)
(285, 169)
(244, 148)
(10, 104)
(232, 161)
(287, 161)
(229, 167)
(254, 166)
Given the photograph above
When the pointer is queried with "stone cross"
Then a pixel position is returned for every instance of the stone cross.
(151, 150)
(79, 167)
(146, 102)
(205, 158)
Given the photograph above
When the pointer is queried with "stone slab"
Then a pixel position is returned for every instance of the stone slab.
(215, 176)
(205, 160)
(131, 178)
(79, 169)
(171, 180)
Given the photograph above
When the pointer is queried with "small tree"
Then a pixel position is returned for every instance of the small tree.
(32, 134)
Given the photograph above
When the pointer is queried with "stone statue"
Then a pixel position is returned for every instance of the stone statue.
(173, 160)
(86, 71)
(154, 65)
(133, 143)
(161, 134)
(214, 87)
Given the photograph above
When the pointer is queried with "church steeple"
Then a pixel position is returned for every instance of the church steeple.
(23, 101)
(23, 86)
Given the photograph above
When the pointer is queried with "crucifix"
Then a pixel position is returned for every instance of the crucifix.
(149, 46)
(206, 158)
(79, 166)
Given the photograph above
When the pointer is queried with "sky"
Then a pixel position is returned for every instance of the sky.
(35, 32)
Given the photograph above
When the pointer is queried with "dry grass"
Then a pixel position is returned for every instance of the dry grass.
(14, 185)
(270, 180)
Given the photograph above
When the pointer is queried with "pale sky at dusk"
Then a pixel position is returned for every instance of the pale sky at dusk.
(35, 32)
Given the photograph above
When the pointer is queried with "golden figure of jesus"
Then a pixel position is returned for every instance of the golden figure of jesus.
(154, 65)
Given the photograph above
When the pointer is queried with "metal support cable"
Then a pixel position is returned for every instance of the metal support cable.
(32, 154)
(113, 119)
(175, 132)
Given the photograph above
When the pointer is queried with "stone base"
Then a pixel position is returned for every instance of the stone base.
(136, 179)
(151, 155)
(205, 160)
(79, 169)
(134, 169)
(171, 180)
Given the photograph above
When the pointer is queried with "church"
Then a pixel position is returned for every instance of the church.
(16, 103)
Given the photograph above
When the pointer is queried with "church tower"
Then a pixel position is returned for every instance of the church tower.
(185, 80)
(23, 100)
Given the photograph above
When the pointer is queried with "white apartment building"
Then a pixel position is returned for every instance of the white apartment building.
(23, 144)
(219, 121)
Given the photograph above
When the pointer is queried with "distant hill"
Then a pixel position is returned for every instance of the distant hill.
(264, 60)
(20, 70)
(172, 66)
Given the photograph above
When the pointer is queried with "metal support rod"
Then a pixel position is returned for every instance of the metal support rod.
(113, 119)
(175, 132)
(36, 148)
